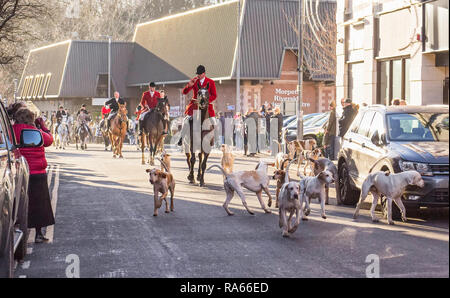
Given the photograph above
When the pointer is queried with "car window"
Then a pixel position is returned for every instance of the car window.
(2, 140)
(377, 125)
(365, 124)
(425, 127)
(355, 124)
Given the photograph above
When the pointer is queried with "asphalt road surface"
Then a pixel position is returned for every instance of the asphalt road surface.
(104, 209)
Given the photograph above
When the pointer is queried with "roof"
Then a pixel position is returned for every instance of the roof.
(206, 36)
(42, 61)
(75, 66)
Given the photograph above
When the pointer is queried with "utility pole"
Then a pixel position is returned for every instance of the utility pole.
(300, 72)
(238, 61)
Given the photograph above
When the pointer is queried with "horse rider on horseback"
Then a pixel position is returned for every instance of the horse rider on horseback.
(61, 116)
(83, 118)
(196, 83)
(166, 115)
(113, 105)
(149, 101)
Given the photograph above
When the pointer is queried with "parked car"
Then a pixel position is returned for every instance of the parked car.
(290, 120)
(396, 139)
(312, 126)
(14, 173)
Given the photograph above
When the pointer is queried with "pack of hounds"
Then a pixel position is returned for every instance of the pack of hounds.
(293, 198)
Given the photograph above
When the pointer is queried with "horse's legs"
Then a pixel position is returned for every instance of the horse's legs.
(191, 163)
(200, 162)
(203, 166)
(141, 140)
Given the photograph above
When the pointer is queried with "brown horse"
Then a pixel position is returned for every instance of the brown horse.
(152, 127)
(202, 104)
(118, 130)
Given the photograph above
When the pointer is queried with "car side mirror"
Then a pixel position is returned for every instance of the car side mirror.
(31, 138)
(376, 139)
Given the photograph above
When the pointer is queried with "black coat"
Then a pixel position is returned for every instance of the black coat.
(113, 105)
(346, 120)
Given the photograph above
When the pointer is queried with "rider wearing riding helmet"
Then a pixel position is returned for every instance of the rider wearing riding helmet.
(113, 105)
(196, 83)
(149, 101)
(61, 115)
(84, 118)
(166, 115)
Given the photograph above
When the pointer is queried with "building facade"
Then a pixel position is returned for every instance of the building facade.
(167, 52)
(389, 49)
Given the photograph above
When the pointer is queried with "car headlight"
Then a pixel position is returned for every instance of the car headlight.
(422, 168)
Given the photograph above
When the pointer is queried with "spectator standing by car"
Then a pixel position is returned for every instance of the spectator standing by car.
(349, 113)
(330, 132)
(40, 212)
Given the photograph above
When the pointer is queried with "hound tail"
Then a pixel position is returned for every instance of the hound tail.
(219, 167)
(163, 164)
(286, 177)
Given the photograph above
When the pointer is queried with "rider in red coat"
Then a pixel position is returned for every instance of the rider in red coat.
(193, 85)
(202, 81)
(148, 102)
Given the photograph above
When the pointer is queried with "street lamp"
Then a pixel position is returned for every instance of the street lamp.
(109, 63)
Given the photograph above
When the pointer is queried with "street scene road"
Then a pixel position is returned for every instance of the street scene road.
(104, 216)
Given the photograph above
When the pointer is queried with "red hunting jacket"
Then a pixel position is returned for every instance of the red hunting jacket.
(34, 156)
(150, 101)
(212, 97)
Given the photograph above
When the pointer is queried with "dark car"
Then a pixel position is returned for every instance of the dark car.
(396, 139)
(14, 173)
(313, 125)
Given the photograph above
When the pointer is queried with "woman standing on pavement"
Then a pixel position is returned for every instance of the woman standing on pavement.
(330, 132)
(40, 212)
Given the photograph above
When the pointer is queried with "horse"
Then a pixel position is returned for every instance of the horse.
(81, 135)
(62, 136)
(118, 130)
(152, 131)
(105, 134)
(202, 104)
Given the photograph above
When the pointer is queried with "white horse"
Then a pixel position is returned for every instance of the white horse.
(62, 135)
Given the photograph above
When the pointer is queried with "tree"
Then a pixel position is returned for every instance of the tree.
(319, 37)
(27, 24)
(15, 18)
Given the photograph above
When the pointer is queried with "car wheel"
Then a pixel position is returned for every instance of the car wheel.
(7, 260)
(349, 195)
(21, 250)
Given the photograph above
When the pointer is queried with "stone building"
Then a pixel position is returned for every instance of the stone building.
(391, 49)
(167, 52)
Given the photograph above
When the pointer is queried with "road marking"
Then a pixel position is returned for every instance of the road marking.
(51, 229)
(49, 175)
(22, 276)
(29, 250)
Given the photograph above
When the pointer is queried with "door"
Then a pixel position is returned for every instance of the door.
(360, 142)
(372, 153)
